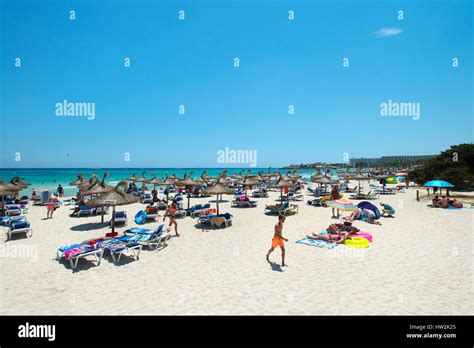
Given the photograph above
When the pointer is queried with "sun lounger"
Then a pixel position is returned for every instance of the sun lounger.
(200, 209)
(221, 220)
(13, 210)
(241, 203)
(126, 245)
(8, 220)
(153, 238)
(260, 194)
(146, 198)
(75, 252)
(85, 210)
(295, 196)
(285, 209)
(19, 227)
(317, 202)
(121, 217)
(24, 200)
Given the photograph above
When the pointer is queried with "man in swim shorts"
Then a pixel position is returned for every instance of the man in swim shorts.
(278, 240)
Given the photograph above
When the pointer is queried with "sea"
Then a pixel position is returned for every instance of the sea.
(50, 178)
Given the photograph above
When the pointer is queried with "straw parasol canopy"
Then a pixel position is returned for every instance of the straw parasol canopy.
(113, 198)
(282, 184)
(169, 181)
(142, 179)
(237, 176)
(359, 177)
(248, 182)
(218, 189)
(155, 181)
(188, 182)
(324, 180)
(98, 188)
(17, 181)
(7, 190)
(133, 178)
(79, 181)
(93, 180)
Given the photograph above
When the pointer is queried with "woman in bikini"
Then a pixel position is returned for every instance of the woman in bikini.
(171, 211)
(336, 233)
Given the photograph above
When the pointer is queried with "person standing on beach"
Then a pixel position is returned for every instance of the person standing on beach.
(60, 190)
(278, 240)
(171, 211)
(50, 207)
(335, 195)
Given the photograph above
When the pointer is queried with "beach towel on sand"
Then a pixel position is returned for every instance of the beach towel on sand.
(317, 243)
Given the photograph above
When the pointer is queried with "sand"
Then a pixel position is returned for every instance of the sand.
(420, 262)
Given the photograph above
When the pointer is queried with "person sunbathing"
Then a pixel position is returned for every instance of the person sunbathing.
(336, 233)
(442, 203)
(455, 203)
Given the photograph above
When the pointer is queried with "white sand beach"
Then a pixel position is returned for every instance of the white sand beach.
(420, 262)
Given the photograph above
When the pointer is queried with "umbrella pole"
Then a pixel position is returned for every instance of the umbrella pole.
(217, 204)
(113, 219)
(102, 214)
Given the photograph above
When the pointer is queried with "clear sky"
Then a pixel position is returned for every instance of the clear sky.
(282, 62)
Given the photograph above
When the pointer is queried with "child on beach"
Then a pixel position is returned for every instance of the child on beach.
(278, 240)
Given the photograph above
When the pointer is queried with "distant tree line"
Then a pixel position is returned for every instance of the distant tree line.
(455, 165)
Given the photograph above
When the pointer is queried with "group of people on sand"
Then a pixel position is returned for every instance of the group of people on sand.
(335, 233)
(445, 202)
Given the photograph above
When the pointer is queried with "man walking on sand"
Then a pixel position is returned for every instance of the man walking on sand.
(279, 240)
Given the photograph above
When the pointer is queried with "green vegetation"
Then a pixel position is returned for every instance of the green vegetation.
(455, 165)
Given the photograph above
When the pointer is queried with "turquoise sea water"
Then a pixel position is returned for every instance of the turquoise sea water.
(51, 178)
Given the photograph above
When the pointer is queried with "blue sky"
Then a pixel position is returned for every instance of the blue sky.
(282, 62)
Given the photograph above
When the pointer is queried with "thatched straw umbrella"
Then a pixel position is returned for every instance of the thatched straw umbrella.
(99, 188)
(133, 178)
(142, 179)
(282, 184)
(248, 182)
(155, 181)
(324, 180)
(17, 181)
(7, 190)
(359, 177)
(169, 181)
(93, 180)
(218, 189)
(188, 182)
(113, 198)
(79, 181)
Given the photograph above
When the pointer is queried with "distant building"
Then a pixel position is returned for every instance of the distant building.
(390, 160)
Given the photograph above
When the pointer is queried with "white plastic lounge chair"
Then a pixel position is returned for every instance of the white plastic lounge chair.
(146, 198)
(97, 253)
(8, 220)
(19, 227)
(121, 217)
(85, 210)
(13, 210)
